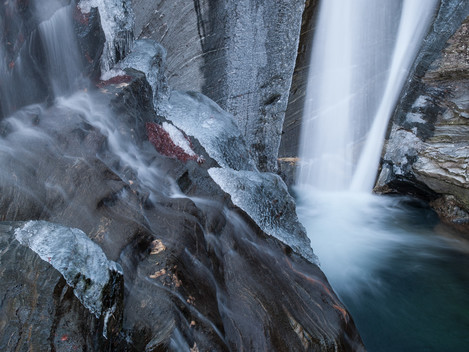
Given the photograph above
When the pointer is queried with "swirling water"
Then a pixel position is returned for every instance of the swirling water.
(401, 273)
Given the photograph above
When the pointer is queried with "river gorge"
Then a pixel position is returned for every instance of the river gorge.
(234, 175)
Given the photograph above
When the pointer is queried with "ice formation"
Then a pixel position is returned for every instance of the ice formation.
(117, 22)
(82, 262)
(148, 57)
(264, 196)
(202, 118)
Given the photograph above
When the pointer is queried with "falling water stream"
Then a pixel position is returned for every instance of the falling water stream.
(400, 272)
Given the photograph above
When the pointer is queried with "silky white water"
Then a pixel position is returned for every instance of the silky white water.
(362, 53)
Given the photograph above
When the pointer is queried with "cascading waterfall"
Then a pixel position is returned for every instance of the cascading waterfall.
(413, 25)
(40, 64)
(63, 57)
(378, 252)
(39, 51)
(362, 53)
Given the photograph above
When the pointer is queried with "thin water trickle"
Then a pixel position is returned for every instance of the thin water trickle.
(63, 57)
(397, 269)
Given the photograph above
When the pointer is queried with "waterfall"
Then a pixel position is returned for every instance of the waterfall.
(60, 45)
(362, 53)
(376, 251)
(39, 54)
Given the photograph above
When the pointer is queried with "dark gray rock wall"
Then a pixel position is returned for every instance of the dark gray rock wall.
(427, 149)
(241, 54)
(289, 145)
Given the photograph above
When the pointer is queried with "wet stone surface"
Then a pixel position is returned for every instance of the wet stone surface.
(198, 272)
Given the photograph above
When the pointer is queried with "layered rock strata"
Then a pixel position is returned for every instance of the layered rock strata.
(427, 150)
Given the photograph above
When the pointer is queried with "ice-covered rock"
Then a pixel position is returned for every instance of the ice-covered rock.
(216, 130)
(264, 196)
(117, 22)
(39, 310)
(240, 53)
(82, 263)
(148, 57)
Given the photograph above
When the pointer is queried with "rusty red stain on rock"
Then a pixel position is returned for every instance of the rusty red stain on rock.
(114, 80)
(163, 143)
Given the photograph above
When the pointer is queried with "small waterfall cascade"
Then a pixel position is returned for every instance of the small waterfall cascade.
(39, 54)
(63, 57)
(362, 53)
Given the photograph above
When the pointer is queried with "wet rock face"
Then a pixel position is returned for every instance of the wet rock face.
(24, 65)
(427, 151)
(91, 40)
(40, 311)
(289, 145)
(241, 54)
(198, 272)
(262, 195)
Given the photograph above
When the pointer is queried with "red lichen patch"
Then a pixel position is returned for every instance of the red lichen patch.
(80, 17)
(163, 143)
(115, 80)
